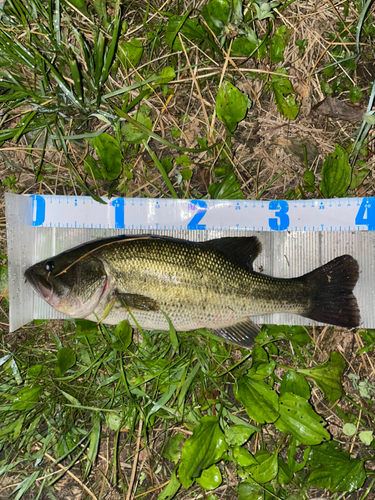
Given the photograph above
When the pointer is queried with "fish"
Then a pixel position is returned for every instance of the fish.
(149, 279)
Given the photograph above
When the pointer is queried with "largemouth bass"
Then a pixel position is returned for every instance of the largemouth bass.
(196, 285)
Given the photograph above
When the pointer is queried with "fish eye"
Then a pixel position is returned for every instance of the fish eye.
(50, 265)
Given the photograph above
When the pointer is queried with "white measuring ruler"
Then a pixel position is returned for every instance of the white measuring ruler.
(345, 214)
(297, 236)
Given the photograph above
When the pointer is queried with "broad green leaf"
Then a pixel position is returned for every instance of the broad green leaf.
(243, 457)
(260, 401)
(231, 105)
(167, 75)
(336, 174)
(27, 397)
(355, 94)
(186, 174)
(249, 490)
(293, 452)
(334, 469)
(124, 333)
(358, 176)
(173, 451)
(66, 358)
(135, 135)
(216, 13)
(295, 383)
(210, 478)
(108, 150)
(267, 469)
(171, 489)
(349, 429)
(366, 437)
(203, 449)
(242, 46)
(328, 376)
(299, 419)
(261, 366)
(183, 160)
(228, 189)
(190, 28)
(238, 434)
(278, 44)
(285, 474)
(92, 168)
(113, 420)
(283, 90)
(35, 371)
(130, 53)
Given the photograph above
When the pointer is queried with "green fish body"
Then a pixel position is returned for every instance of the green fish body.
(196, 285)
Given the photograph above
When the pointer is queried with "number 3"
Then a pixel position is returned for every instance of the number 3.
(282, 221)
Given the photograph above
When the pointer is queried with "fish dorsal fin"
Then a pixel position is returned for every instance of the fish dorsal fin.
(243, 249)
(241, 334)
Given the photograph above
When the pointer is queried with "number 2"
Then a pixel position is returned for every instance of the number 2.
(202, 209)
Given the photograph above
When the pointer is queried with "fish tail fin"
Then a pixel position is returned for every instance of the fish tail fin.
(332, 298)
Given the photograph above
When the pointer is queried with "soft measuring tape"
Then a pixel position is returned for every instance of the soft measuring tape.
(344, 214)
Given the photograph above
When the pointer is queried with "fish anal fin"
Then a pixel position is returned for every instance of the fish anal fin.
(242, 334)
(244, 250)
(140, 302)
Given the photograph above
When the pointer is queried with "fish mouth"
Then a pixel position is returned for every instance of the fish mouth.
(39, 284)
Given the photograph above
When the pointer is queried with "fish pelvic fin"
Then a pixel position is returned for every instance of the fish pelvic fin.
(332, 298)
(135, 301)
(241, 334)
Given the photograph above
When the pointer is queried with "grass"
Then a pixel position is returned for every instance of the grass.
(186, 101)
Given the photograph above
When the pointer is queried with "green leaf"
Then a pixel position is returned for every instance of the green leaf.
(355, 94)
(94, 443)
(203, 449)
(349, 429)
(328, 376)
(285, 474)
(366, 437)
(278, 44)
(124, 333)
(336, 174)
(171, 489)
(92, 168)
(231, 105)
(282, 88)
(190, 28)
(334, 469)
(130, 53)
(186, 174)
(261, 366)
(259, 400)
(216, 12)
(238, 434)
(299, 419)
(108, 150)
(35, 371)
(133, 134)
(358, 176)
(183, 160)
(293, 465)
(267, 469)
(172, 451)
(27, 397)
(295, 383)
(66, 358)
(167, 75)
(243, 457)
(167, 163)
(228, 189)
(250, 490)
(242, 46)
(210, 478)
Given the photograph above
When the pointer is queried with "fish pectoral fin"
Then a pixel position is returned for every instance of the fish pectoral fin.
(141, 302)
(241, 334)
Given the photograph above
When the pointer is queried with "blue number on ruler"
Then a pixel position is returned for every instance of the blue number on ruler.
(118, 203)
(39, 209)
(282, 221)
(202, 209)
(366, 214)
